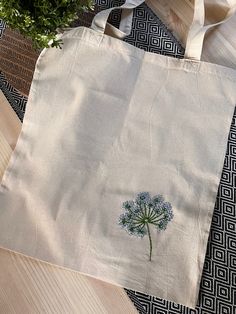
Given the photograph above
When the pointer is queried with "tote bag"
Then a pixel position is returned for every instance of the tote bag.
(118, 179)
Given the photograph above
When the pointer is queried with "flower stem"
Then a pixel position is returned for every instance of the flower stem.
(150, 242)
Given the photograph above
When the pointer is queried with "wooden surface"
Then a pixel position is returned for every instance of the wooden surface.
(9, 131)
(10, 125)
(30, 286)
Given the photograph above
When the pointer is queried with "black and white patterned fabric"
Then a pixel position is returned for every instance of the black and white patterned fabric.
(148, 32)
(2, 27)
(218, 286)
(17, 101)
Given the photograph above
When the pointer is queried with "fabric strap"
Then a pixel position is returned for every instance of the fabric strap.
(198, 30)
(196, 33)
(100, 23)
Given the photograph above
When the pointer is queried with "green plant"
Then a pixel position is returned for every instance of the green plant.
(40, 19)
(145, 211)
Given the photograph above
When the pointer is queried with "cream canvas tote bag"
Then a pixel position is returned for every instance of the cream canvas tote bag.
(115, 173)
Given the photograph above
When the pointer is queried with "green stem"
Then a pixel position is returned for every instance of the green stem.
(157, 218)
(145, 212)
(150, 242)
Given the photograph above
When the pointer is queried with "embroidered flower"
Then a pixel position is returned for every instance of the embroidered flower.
(142, 198)
(128, 205)
(168, 211)
(143, 212)
(158, 199)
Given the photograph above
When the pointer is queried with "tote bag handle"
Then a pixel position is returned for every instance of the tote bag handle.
(100, 23)
(196, 32)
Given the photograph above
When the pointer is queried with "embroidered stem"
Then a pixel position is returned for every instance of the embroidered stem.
(150, 242)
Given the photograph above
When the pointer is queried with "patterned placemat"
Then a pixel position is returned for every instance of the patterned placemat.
(218, 285)
(17, 101)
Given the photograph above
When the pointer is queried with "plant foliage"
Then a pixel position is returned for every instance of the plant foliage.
(40, 19)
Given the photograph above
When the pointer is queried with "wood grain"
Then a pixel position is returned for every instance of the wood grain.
(10, 125)
(5, 153)
(31, 286)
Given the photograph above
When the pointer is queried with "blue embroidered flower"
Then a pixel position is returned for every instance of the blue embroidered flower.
(142, 198)
(143, 212)
(162, 225)
(128, 205)
(168, 211)
(158, 199)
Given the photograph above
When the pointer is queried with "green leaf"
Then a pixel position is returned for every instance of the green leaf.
(40, 19)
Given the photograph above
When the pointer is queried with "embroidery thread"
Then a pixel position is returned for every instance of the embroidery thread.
(145, 211)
